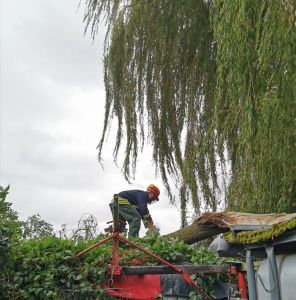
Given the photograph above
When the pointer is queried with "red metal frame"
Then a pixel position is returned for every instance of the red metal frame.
(115, 268)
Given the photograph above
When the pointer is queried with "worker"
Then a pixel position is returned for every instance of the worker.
(133, 208)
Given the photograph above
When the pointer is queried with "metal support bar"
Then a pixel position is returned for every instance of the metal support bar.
(251, 276)
(190, 269)
(273, 273)
(186, 276)
(115, 242)
(94, 246)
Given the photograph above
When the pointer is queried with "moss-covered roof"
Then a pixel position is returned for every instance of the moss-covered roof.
(258, 236)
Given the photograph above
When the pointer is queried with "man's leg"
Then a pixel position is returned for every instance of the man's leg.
(132, 216)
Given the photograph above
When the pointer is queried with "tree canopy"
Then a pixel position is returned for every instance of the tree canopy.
(211, 85)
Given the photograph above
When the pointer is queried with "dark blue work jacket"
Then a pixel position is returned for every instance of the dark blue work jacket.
(138, 198)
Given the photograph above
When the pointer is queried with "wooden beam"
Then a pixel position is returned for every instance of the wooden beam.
(191, 269)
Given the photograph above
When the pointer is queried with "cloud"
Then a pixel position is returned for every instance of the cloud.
(52, 108)
(48, 38)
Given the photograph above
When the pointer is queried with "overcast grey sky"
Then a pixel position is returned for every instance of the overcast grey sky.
(52, 106)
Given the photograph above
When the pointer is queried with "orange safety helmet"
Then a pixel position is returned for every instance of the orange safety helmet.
(154, 190)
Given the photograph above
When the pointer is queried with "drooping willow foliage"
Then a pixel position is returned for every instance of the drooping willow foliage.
(255, 104)
(215, 84)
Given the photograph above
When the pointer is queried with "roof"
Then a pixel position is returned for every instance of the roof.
(229, 219)
(249, 228)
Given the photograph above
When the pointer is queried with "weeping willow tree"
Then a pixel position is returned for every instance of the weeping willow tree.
(211, 85)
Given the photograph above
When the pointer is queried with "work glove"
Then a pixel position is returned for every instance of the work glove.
(147, 219)
(153, 229)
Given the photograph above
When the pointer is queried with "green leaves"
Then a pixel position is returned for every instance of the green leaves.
(35, 227)
(255, 102)
(211, 86)
(47, 269)
(9, 235)
(3, 193)
(194, 296)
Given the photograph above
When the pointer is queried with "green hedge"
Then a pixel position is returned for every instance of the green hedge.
(48, 269)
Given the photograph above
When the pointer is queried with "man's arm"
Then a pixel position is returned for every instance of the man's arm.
(148, 223)
(143, 209)
(147, 220)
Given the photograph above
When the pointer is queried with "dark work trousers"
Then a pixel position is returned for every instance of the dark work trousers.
(129, 213)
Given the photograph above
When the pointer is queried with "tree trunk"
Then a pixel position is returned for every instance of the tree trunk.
(196, 232)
